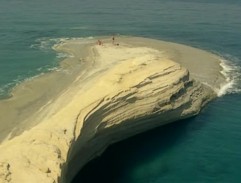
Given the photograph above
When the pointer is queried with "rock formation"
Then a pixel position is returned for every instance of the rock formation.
(118, 95)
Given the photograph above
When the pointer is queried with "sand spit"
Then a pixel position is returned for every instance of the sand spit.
(117, 91)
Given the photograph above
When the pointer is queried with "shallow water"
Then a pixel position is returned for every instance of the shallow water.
(202, 149)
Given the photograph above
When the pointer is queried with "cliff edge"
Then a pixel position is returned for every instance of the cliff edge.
(118, 94)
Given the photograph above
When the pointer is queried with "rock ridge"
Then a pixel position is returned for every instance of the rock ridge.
(116, 101)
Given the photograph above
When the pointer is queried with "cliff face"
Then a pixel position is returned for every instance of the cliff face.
(167, 96)
(116, 101)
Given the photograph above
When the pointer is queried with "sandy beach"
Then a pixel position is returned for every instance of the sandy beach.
(100, 90)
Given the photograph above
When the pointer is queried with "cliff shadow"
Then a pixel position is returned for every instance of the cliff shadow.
(124, 156)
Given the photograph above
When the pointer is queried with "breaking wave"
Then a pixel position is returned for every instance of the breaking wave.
(232, 72)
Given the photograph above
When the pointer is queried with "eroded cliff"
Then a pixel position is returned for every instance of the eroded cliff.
(127, 89)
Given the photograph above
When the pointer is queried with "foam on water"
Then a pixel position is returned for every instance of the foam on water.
(232, 73)
(5, 90)
(63, 55)
(45, 43)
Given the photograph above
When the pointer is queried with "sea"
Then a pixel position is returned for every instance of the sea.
(205, 148)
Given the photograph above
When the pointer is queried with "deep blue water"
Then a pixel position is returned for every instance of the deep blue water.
(202, 149)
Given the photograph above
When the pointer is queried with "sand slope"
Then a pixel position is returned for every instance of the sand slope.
(114, 97)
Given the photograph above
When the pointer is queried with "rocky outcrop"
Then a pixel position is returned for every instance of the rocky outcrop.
(132, 111)
(118, 100)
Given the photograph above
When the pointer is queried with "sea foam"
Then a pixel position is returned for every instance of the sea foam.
(232, 73)
(46, 43)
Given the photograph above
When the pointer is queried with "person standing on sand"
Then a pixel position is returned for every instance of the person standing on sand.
(99, 42)
(113, 39)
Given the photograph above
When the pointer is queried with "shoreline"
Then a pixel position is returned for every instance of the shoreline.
(104, 89)
(33, 94)
(67, 75)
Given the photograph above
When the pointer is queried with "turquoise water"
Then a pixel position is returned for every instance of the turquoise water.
(202, 149)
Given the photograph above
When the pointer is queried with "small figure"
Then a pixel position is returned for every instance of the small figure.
(113, 39)
(99, 42)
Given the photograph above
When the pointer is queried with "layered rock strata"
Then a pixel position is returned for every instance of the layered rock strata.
(122, 91)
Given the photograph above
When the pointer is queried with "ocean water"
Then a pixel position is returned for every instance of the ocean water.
(201, 149)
